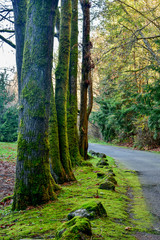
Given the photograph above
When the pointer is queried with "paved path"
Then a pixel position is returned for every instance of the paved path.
(148, 167)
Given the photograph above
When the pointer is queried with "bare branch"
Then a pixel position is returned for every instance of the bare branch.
(8, 42)
(7, 31)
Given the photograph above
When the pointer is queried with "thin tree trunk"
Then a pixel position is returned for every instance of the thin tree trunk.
(86, 69)
(62, 78)
(34, 183)
(20, 11)
(72, 98)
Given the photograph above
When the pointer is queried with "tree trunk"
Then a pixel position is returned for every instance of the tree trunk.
(20, 11)
(62, 77)
(72, 98)
(86, 78)
(57, 169)
(34, 183)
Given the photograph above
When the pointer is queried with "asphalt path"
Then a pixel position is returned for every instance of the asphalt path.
(146, 164)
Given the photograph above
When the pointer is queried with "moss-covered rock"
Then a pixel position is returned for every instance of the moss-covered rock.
(101, 175)
(77, 228)
(89, 210)
(102, 162)
(86, 163)
(97, 154)
(112, 179)
(107, 186)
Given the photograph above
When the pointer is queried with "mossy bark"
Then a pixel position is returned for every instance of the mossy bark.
(86, 79)
(20, 11)
(72, 98)
(62, 77)
(34, 183)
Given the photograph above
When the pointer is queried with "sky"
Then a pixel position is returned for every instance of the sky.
(7, 56)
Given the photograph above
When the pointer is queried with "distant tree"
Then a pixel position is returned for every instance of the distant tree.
(72, 92)
(86, 83)
(8, 111)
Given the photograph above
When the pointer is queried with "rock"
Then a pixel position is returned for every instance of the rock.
(90, 210)
(102, 162)
(76, 228)
(80, 212)
(102, 155)
(86, 163)
(107, 186)
(92, 153)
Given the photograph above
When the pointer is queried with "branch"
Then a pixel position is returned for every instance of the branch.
(8, 42)
(152, 37)
(152, 21)
(7, 31)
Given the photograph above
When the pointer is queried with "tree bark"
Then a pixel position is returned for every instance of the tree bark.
(34, 183)
(62, 78)
(72, 98)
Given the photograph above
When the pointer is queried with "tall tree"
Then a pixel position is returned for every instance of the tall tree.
(34, 184)
(20, 11)
(62, 78)
(86, 79)
(72, 98)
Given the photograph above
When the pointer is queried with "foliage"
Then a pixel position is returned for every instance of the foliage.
(128, 61)
(8, 111)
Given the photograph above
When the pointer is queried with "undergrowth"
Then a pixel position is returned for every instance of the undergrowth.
(126, 214)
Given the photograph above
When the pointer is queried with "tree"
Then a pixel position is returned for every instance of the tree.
(8, 111)
(20, 12)
(6, 23)
(86, 80)
(62, 78)
(72, 92)
(34, 184)
(127, 48)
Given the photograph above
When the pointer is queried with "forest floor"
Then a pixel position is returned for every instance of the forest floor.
(128, 217)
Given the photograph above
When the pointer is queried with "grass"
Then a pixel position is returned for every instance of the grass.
(125, 215)
(8, 151)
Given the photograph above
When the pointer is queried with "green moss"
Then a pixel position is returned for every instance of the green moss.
(35, 98)
(43, 221)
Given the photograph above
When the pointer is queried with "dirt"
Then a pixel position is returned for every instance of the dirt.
(7, 179)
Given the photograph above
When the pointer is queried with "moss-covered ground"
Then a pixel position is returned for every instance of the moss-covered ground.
(125, 207)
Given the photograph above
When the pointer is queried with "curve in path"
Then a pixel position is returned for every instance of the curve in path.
(147, 165)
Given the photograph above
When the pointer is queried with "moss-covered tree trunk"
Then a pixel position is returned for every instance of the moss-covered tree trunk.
(20, 11)
(62, 78)
(86, 79)
(34, 184)
(72, 98)
(57, 169)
